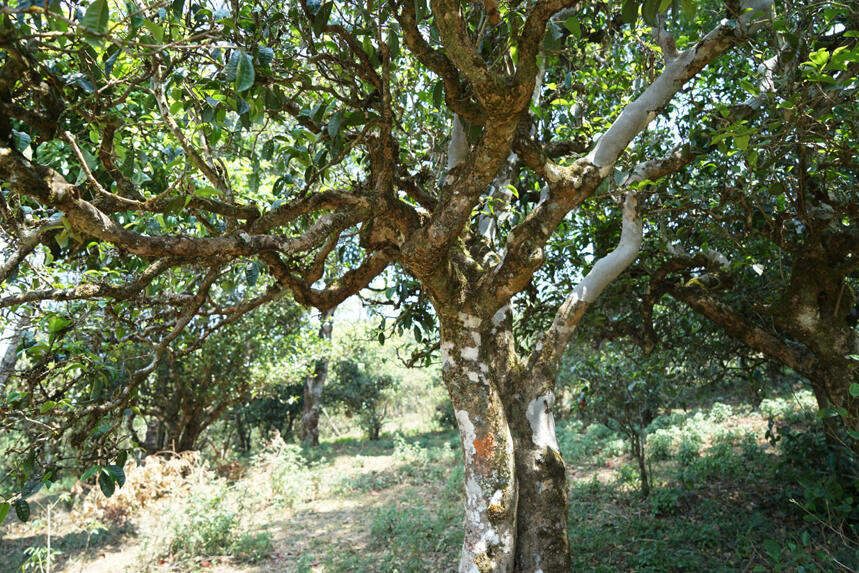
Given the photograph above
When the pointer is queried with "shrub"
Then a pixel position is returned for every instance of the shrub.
(687, 450)
(291, 478)
(720, 412)
(444, 416)
(664, 501)
(827, 475)
(211, 523)
(660, 444)
(360, 389)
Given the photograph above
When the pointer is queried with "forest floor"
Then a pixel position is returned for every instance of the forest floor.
(720, 501)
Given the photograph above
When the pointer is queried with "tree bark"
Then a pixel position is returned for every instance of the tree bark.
(542, 542)
(637, 442)
(9, 355)
(471, 374)
(515, 477)
(313, 387)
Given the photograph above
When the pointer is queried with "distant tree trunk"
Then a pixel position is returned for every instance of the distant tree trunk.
(10, 340)
(313, 387)
(637, 443)
(375, 430)
(153, 441)
(242, 434)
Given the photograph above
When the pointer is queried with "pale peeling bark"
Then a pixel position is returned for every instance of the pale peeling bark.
(542, 541)
(604, 272)
(515, 478)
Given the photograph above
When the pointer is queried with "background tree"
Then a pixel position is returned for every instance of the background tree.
(199, 380)
(767, 246)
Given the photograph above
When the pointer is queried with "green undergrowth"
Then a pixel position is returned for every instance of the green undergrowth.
(723, 497)
(732, 490)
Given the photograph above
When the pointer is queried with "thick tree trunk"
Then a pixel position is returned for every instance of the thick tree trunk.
(470, 373)
(151, 441)
(830, 384)
(515, 478)
(313, 387)
(542, 543)
(187, 438)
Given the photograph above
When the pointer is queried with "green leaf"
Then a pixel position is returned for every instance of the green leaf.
(4, 510)
(265, 55)
(155, 29)
(117, 473)
(854, 390)
(572, 24)
(772, 548)
(57, 323)
(136, 16)
(31, 488)
(22, 509)
(819, 58)
(741, 141)
(320, 17)
(105, 482)
(649, 11)
(245, 74)
(334, 123)
(47, 406)
(629, 11)
(689, 8)
(21, 139)
(90, 471)
(393, 44)
(438, 93)
(231, 68)
(96, 17)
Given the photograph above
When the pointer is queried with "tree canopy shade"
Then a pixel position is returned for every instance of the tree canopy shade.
(185, 163)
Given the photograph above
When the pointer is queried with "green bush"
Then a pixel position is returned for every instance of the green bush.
(212, 523)
(444, 416)
(688, 449)
(660, 444)
(827, 475)
(720, 412)
(292, 479)
(664, 501)
(360, 389)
